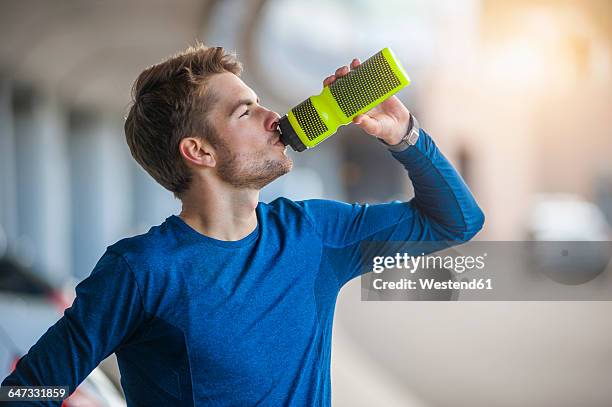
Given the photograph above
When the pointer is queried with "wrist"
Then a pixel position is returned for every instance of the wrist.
(408, 138)
(398, 136)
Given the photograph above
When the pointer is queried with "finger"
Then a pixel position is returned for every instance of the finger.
(343, 70)
(369, 125)
(329, 80)
(355, 63)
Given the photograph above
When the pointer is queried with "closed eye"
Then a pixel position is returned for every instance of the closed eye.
(245, 113)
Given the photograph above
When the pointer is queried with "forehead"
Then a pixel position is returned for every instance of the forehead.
(228, 88)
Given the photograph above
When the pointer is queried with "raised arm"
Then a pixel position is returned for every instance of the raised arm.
(443, 208)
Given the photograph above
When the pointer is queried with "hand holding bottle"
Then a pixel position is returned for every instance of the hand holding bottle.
(388, 121)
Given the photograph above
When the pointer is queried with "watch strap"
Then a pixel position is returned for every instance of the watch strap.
(410, 138)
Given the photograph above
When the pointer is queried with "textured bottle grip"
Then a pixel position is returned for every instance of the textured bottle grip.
(373, 79)
(318, 117)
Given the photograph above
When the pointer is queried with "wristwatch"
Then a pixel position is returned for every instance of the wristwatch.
(410, 138)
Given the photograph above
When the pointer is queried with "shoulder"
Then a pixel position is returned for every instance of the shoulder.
(307, 205)
(309, 208)
(135, 243)
(313, 212)
(280, 206)
(140, 248)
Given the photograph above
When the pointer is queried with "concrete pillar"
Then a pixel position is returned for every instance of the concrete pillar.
(101, 187)
(42, 176)
(8, 193)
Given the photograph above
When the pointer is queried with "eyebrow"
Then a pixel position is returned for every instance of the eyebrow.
(241, 102)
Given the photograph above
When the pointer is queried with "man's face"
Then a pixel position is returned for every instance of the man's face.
(249, 151)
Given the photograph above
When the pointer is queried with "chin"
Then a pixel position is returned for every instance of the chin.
(269, 171)
(283, 166)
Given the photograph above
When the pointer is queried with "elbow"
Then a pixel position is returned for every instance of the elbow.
(474, 221)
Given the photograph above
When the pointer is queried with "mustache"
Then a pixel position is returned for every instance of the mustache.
(274, 138)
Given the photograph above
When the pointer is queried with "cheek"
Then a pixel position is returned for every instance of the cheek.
(235, 139)
(246, 147)
(246, 139)
(254, 142)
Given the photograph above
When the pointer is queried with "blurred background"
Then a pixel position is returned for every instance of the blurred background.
(517, 94)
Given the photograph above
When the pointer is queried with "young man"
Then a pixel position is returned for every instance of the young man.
(231, 303)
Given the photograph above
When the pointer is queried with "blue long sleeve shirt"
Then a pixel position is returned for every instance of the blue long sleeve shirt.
(196, 321)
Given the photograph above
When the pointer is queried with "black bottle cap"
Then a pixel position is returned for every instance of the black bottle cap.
(288, 136)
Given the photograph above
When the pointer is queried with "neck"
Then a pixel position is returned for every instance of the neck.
(223, 213)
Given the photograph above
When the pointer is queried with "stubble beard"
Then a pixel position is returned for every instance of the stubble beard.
(251, 170)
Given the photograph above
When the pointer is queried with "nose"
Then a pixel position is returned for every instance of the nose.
(271, 121)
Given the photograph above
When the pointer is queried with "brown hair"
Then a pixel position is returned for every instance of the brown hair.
(170, 101)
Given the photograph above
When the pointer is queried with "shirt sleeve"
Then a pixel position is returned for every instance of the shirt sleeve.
(443, 209)
(106, 311)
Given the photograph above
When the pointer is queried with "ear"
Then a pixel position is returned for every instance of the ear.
(197, 152)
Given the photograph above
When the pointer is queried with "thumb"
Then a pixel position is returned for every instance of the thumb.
(368, 124)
